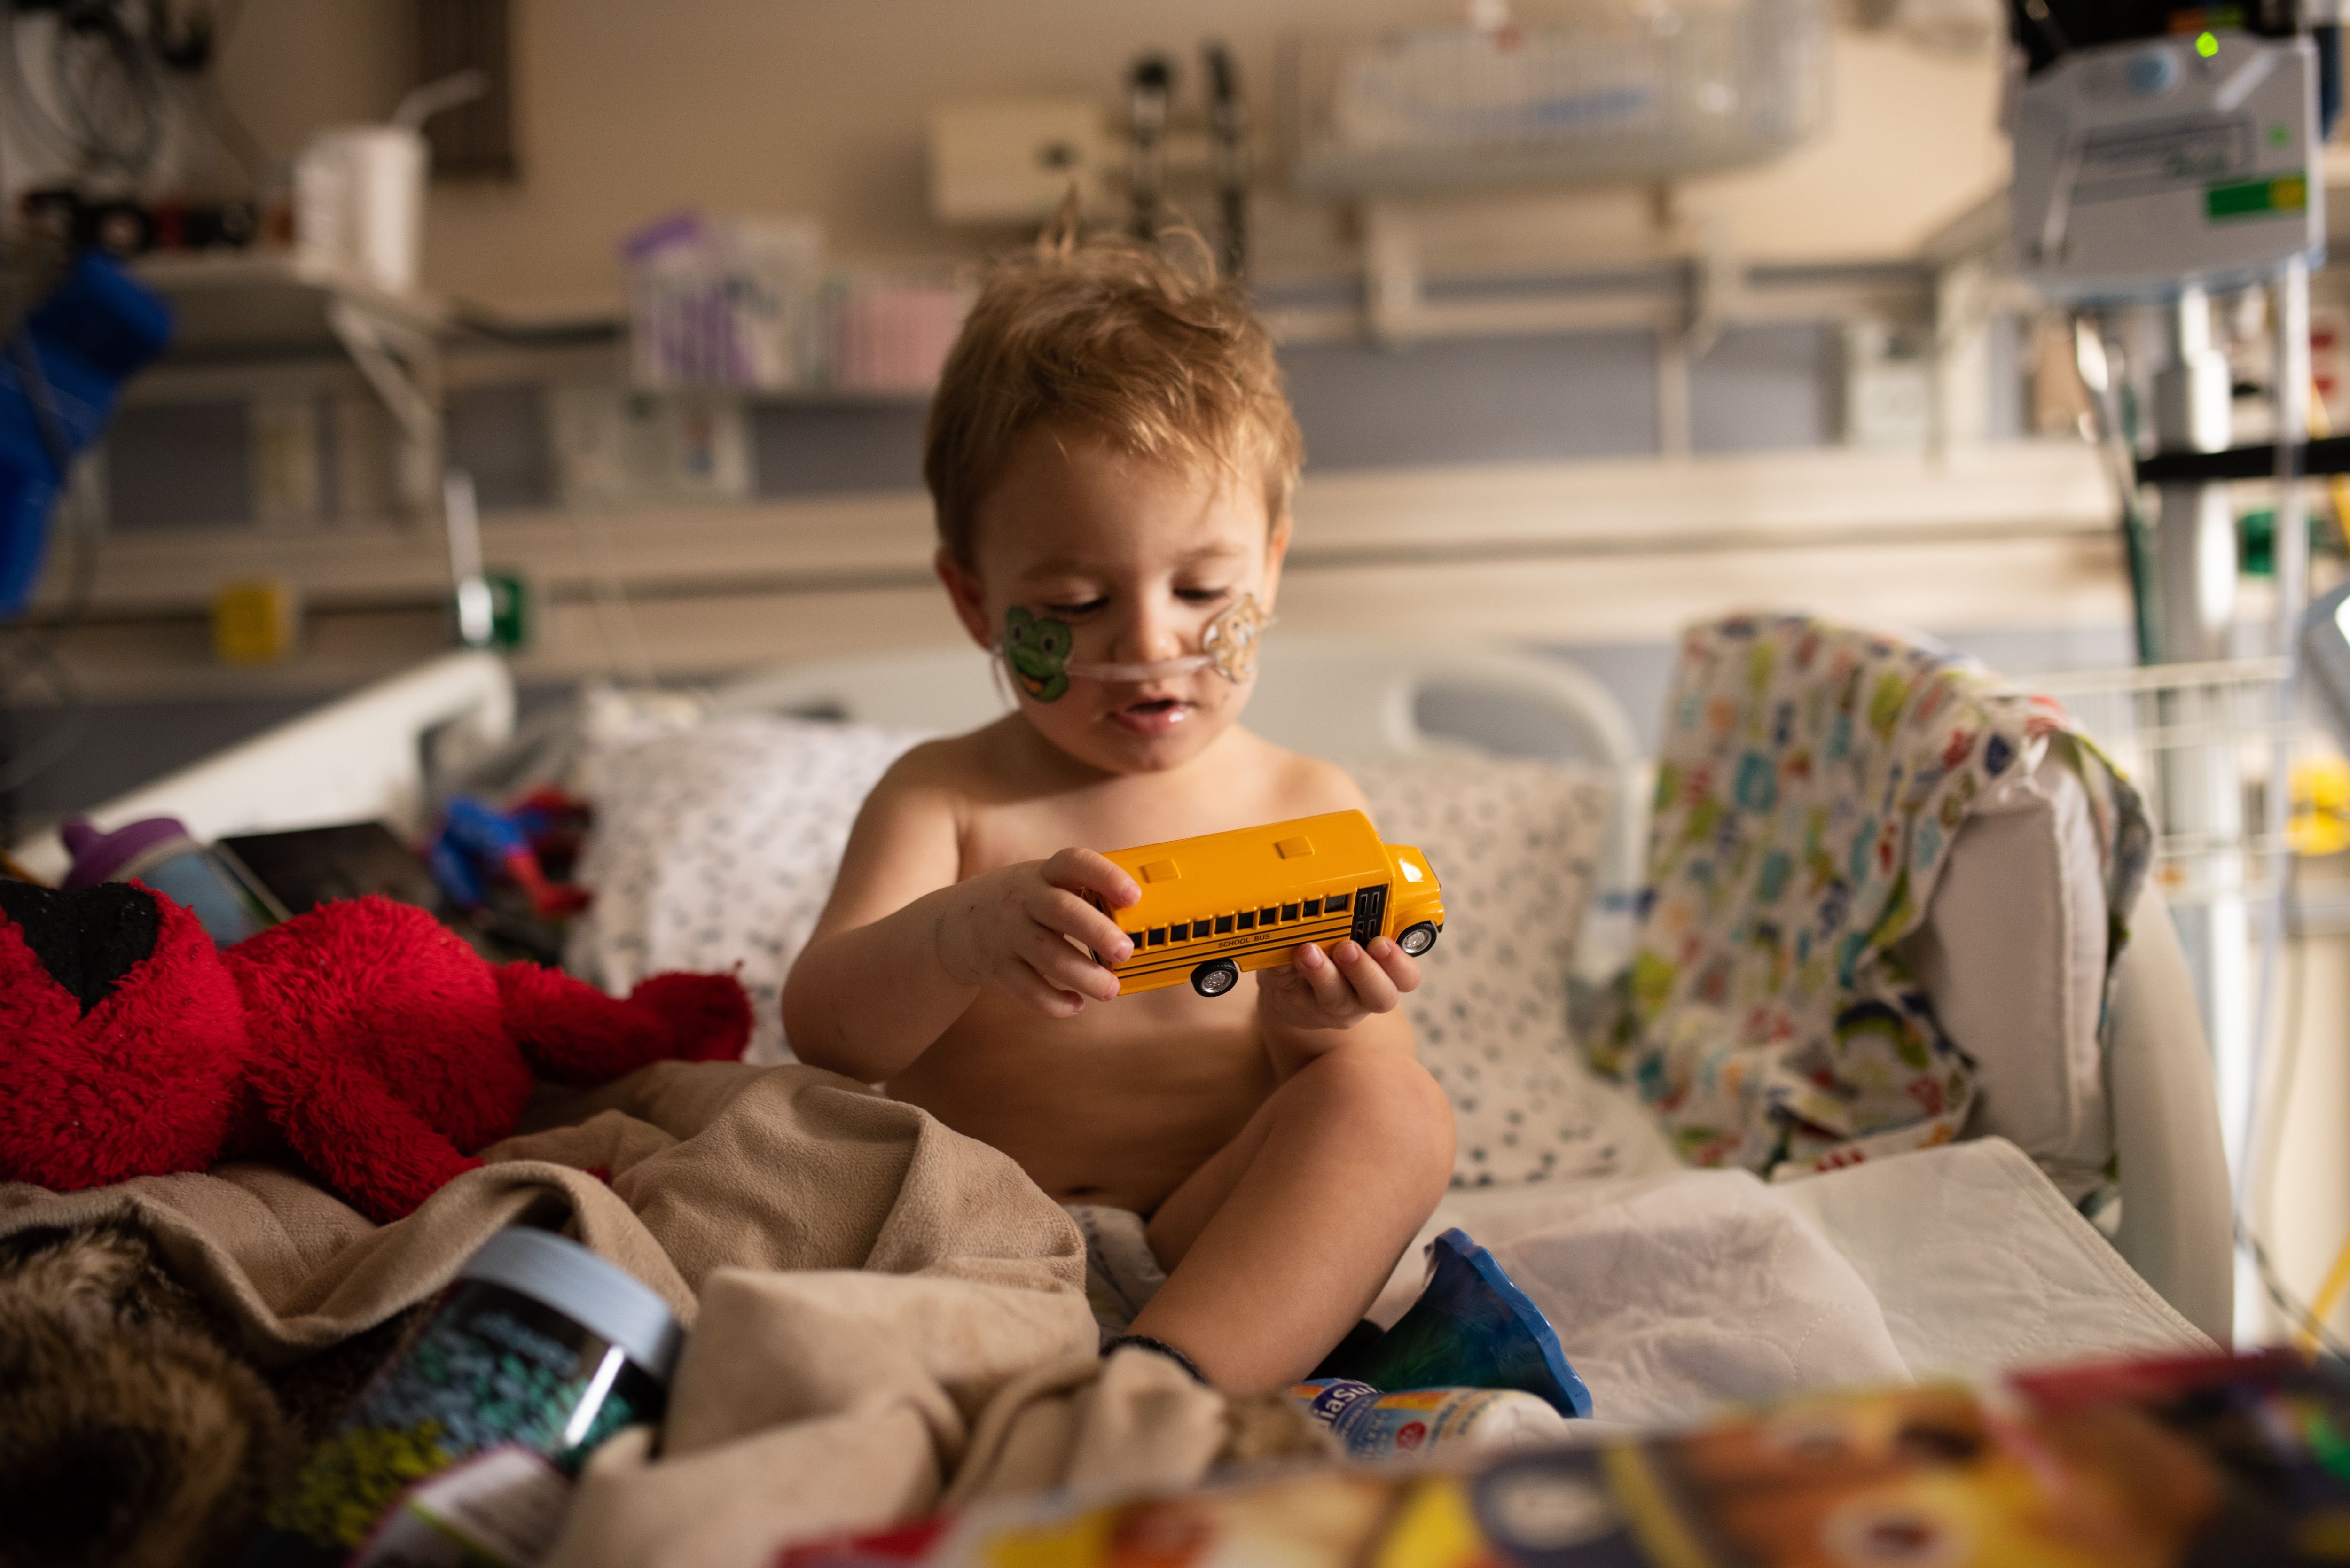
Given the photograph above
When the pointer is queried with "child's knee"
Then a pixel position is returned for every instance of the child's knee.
(1391, 1098)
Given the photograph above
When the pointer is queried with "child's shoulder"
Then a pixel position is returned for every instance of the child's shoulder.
(1297, 784)
(980, 767)
(941, 769)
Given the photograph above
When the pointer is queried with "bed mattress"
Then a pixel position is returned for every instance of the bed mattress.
(1675, 1290)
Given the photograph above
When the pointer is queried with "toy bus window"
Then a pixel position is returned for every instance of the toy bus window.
(1313, 907)
(1158, 936)
(1137, 938)
(1199, 928)
(1289, 911)
(1267, 915)
(1248, 920)
(1335, 904)
(1223, 924)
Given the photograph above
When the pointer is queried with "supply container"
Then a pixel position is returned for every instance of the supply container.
(887, 330)
(358, 203)
(358, 190)
(1638, 91)
(161, 852)
(1418, 1422)
(463, 1448)
(724, 302)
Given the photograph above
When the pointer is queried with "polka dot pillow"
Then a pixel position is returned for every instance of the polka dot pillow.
(1516, 846)
(718, 847)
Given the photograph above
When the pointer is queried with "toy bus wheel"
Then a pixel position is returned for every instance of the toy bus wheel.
(1417, 939)
(1215, 977)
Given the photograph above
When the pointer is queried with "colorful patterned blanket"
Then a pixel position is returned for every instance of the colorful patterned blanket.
(1810, 783)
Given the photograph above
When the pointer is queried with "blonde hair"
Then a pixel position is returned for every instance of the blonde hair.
(1115, 341)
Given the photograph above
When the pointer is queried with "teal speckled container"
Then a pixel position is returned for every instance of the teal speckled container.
(538, 1345)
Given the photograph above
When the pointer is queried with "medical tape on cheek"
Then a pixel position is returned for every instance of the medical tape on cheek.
(1036, 651)
(1229, 648)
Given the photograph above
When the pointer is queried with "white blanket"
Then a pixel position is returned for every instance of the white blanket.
(1677, 1291)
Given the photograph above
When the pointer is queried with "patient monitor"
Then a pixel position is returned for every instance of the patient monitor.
(2148, 162)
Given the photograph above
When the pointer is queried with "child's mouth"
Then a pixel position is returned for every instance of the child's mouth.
(1154, 716)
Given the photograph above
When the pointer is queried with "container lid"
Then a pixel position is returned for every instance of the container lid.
(121, 855)
(601, 1297)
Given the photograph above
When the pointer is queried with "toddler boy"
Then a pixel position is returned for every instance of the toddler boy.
(1112, 458)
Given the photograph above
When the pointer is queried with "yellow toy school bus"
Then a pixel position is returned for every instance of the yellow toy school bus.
(1224, 902)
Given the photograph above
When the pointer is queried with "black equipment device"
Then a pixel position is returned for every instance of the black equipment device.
(1150, 90)
(1228, 126)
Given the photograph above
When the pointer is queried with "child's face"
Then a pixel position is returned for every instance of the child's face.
(1135, 559)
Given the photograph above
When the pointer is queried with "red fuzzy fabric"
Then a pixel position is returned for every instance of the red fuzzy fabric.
(574, 1034)
(363, 1036)
(150, 1081)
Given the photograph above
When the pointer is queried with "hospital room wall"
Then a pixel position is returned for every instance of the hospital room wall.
(627, 110)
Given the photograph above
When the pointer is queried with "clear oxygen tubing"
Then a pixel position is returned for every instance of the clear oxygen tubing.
(1161, 669)
(2109, 434)
(1228, 647)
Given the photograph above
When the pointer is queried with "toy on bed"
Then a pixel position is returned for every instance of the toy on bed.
(478, 844)
(363, 1036)
(1223, 902)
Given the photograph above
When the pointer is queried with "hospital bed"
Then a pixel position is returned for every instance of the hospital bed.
(372, 755)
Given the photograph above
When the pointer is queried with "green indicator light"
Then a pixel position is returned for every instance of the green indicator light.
(2206, 45)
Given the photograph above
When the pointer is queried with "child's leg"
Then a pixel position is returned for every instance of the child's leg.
(1276, 1246)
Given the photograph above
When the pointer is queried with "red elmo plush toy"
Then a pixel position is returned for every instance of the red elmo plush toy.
(363, 1036)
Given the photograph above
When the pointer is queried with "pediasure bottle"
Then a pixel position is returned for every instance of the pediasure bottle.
(1416, 1422)
(462, 1449)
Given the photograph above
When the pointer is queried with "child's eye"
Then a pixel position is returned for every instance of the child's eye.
(1068, 612)
(1200, 596)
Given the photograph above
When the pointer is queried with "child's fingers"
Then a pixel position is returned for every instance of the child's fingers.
(1080, 869)
(1401, 967)
(1071, 915)
(1032, 989)
(1321, 977)
(1050, 955)
(1373, 989)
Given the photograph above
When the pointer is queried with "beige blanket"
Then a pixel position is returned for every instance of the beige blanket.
(885, 1317)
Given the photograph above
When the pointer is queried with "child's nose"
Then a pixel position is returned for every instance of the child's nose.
(1152, 633)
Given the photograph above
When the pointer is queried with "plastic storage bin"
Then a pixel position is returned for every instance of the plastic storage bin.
(1651, 92)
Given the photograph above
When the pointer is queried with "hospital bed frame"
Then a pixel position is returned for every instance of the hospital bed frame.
(370, 757)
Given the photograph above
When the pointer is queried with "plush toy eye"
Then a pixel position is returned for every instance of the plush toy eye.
(1048, 643)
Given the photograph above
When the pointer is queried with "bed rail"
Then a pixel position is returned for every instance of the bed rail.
(360, 758)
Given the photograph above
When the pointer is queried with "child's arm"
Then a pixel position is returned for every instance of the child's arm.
(903, 947)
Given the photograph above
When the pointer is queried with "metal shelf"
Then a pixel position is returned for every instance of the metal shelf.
(270, 304)
(260, 306)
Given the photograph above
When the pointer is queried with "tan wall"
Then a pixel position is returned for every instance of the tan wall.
(629, 108)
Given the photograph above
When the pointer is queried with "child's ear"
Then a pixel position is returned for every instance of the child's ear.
(963, 592)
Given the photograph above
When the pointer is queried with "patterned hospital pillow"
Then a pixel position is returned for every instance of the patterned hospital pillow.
(1515, 845)
(717, 846)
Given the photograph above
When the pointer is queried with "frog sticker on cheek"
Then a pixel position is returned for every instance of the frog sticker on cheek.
(1037, 649)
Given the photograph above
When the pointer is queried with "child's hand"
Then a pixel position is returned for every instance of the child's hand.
(1012, 929)
(1339, 989)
